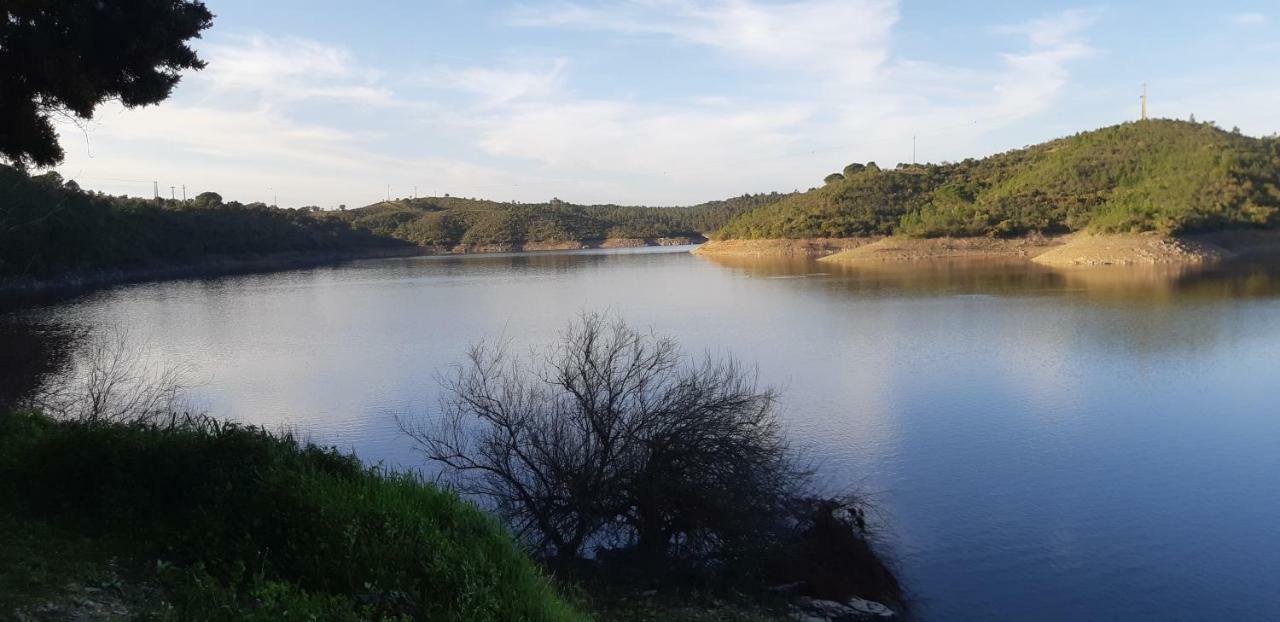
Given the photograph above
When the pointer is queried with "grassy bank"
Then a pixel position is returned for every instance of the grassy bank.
(210, 521)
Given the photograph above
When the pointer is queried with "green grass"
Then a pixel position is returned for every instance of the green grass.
(230, 522)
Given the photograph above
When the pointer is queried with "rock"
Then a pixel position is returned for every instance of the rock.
(870, 608)
(857, 610)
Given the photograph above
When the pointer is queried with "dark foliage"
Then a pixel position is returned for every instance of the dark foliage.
(68, 56)
(665, 470)
(31, 354)
(48, 228)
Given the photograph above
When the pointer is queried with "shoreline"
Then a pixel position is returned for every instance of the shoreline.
(1071, 250)
(19, 292)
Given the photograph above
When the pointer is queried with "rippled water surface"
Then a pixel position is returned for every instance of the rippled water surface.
(1043, 445)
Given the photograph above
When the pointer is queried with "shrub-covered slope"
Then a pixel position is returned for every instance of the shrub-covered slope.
(1159, 175)
(48, 227)
(447, 221)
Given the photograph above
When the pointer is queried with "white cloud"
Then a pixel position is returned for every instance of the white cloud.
(1250, 19)
(498, 86)
(725, 144)
(290, 68)
(848, 38)
(315, 124)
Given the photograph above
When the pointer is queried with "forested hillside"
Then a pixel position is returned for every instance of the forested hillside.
(48, 227)
(448, 221)
(1159, 175)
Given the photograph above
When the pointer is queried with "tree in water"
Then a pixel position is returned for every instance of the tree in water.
(65, 57)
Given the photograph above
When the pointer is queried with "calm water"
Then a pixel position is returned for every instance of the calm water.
(1042, 445)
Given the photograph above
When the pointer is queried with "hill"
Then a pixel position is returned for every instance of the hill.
(50, 227)
(450, 221)
(1167, 176)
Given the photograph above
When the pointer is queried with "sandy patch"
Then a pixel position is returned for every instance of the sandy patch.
(1131, 249)
(913, 249)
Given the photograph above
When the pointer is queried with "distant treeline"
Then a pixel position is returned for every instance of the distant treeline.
(49, 227)
(448, 221)
(1159, 175)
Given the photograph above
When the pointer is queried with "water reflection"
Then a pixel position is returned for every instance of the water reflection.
(1156, 285)
(1046, 444)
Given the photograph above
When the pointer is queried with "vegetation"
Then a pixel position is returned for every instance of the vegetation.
(68, 56)
(48, 227)
(672, 472)
(1160, 175)
(449, 221)
(232, 523)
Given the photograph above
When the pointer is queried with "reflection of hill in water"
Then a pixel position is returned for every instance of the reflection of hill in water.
(1150, 310)
(1129, 285)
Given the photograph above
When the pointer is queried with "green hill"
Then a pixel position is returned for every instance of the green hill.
(447, 221)
(49, 227)
(1160, 175)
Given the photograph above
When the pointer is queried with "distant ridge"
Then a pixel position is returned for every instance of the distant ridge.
(452, 221)
(1160, 175)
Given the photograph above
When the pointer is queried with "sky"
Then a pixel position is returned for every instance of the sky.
(656, 102)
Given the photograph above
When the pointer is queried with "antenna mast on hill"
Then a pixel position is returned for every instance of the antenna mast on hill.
(1144, 102)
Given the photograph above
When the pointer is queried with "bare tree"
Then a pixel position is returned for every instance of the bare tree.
(113, 379)
(613, 436)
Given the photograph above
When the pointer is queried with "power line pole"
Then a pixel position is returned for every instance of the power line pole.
(184, 193)
(1144, 102)
(913, 149)
(172, 195)
(155, 189)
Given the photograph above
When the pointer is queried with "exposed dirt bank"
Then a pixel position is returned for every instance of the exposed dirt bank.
(808, 247)
(1132, 249)
(915, 249)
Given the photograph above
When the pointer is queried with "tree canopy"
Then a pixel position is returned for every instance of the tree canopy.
(69, 56)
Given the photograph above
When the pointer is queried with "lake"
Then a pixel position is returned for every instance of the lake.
(1041, 444)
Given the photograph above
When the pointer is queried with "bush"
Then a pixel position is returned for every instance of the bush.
(261, 515)
(665, 469)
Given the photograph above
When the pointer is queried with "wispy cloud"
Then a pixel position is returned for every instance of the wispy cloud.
(291, 68)
(495, 85)
(1249, 19)
(847, 37)
(312, 120)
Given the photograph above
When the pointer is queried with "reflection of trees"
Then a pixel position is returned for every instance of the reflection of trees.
(1143, 309)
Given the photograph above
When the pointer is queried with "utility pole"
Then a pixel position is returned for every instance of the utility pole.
(155, 189)
(388, 192)
(913, 149)
(172, 195)
(275, 200)
(184, 193)
(1144, 102)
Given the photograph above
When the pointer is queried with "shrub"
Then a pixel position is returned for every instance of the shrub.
(263, 516)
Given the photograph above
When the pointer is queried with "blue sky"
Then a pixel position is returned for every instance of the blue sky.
(657, 101)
